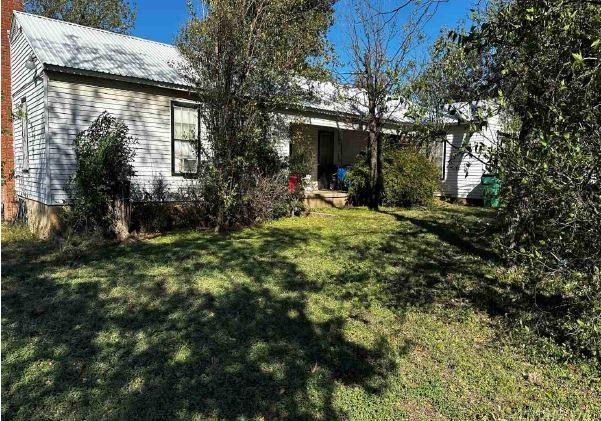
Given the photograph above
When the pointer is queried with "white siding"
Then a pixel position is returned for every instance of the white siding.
(463, 172)
(28, 84)
(74, 103)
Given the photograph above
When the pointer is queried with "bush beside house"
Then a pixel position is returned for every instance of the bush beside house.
(410, 178)
(101, 184)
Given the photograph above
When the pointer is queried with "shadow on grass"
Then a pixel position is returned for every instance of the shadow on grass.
(458, 264)
(442, 258)
(121, 339)
(454, 262)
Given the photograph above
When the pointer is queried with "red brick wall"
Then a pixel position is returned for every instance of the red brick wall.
(9, 200)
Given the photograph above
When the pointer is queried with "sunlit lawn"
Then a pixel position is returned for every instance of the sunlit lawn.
(343, 314)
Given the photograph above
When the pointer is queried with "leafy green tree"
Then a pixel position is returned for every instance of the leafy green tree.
(449, 86)
(540, 62)
(112, 15)
(248, 59)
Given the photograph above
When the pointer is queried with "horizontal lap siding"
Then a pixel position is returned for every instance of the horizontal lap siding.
(463, 172)
(29, 84)
(74, 105)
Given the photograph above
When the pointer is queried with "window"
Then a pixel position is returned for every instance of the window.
(24, 134)
(439, 155)
(184, 138)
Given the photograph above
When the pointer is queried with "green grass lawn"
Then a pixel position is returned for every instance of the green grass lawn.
(342, 314)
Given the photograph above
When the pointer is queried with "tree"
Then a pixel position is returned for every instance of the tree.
(112, 15)
(248, 59)
(447, 87)
(540, 61)
(381, 46)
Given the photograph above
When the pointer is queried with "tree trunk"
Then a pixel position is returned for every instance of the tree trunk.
(222, 177)
(122, 209)
(375, 161)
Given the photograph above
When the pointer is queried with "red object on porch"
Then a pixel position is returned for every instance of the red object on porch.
(292, 183)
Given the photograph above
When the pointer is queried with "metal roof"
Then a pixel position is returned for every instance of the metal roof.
(345, 99)
(71, 46)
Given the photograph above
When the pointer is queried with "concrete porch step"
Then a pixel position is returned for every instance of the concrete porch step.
(326, 199)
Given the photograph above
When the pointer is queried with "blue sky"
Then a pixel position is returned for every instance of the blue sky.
(160, 20)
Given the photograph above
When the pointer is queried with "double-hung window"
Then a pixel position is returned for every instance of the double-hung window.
(185, 124)
(24, 134)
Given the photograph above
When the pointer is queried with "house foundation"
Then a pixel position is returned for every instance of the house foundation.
(42, 219)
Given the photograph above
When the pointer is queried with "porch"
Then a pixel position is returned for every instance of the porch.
(328, 152)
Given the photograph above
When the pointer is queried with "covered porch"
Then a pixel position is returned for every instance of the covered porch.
(329, 152)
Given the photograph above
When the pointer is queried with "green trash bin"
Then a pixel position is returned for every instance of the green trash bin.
(491, 187)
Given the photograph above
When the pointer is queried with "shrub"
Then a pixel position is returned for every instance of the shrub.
(264, 198)
(159, 210)
(357, 178)
(269, 198)
(255, 199)
(410, 178)
(150, 210)
(100, 185)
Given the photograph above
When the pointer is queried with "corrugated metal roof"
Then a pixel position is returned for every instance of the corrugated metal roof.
(73, 46)
(345, 99)
(81, 48)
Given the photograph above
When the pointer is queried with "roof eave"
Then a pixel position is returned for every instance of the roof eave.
(19, 26)
(112, 76)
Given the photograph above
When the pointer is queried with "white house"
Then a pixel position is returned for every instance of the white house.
(64, 75)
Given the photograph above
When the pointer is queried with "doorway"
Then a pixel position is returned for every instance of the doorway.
(325, 158)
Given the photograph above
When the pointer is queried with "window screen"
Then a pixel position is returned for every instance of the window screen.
(185, 138)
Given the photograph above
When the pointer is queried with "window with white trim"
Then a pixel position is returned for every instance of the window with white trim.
(184, 138)
(24, 134)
